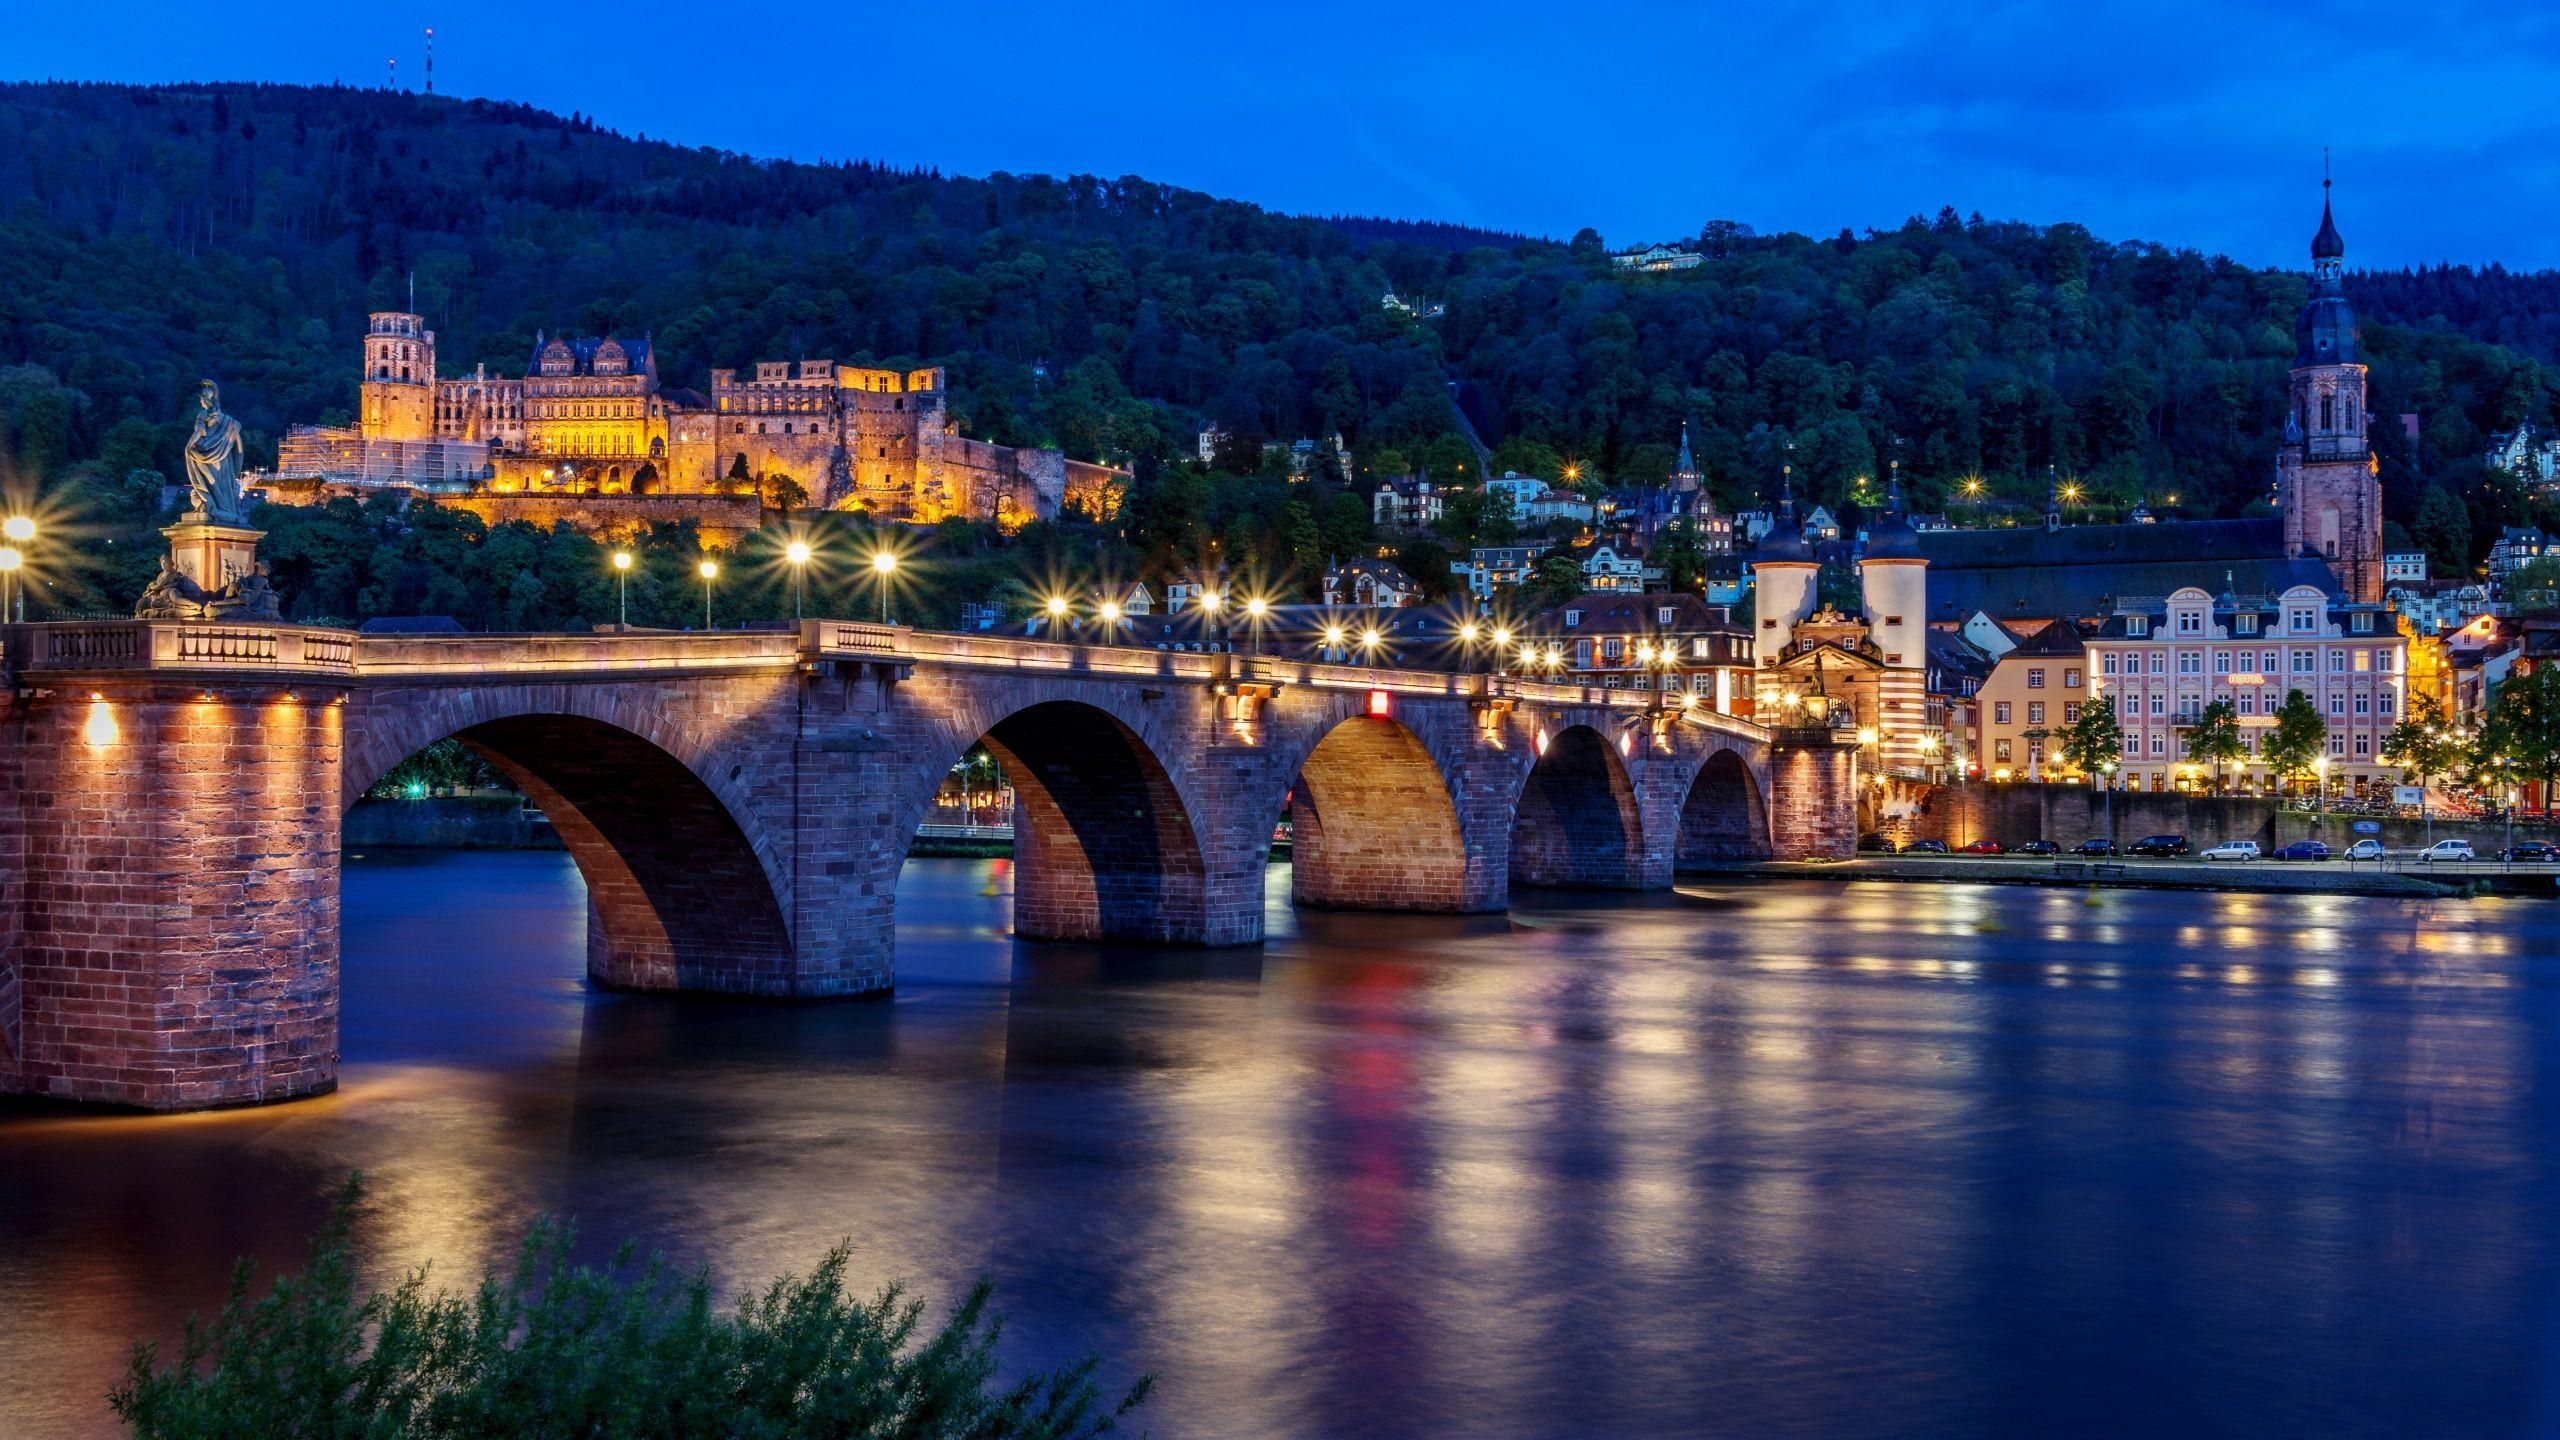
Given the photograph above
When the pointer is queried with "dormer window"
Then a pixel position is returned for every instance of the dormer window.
(2190, 622)
(2245, 623)
(2302, 622)
(2137, 624)
(2362, 623)
(1572, 618)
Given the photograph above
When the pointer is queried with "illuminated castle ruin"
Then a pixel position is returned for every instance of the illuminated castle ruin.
(590, 417)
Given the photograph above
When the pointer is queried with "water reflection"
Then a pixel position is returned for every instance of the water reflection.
(1777, 1160)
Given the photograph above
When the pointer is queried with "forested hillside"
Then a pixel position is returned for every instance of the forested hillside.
(150, 236)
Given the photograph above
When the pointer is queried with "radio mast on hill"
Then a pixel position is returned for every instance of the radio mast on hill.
(431, 59)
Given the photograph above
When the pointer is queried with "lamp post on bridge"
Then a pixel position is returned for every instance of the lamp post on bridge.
(883, 565)
(710, 571)
(798, 555)
(19, 531)
(622, 582)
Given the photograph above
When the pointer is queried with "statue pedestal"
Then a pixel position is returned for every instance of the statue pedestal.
(209, 554)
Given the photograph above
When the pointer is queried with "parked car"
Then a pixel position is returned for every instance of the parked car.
(2229, 850)
(2445, 851)
(2303, 850)
(1981, 847)
(1875, 844)
(2540, 851)
(1925, 847)
(2365, 850)
(2037, 847)
(2160, 845)
(2094, 847)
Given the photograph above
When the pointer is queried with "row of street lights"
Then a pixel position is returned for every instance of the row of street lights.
(884, 564)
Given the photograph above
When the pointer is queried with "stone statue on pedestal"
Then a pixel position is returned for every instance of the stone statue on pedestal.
(211, 571)
(213, 461)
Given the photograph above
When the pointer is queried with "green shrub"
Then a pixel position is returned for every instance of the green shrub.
(553, 1349)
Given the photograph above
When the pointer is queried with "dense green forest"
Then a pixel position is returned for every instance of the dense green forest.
(149, 236)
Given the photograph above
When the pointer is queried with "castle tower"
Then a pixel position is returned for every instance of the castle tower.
(2326, 476)
(1686, 478)
(1893, 583)
(1783, 571)
(398, 393)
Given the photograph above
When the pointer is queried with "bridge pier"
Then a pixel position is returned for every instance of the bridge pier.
(1813, 794)
(178, 911)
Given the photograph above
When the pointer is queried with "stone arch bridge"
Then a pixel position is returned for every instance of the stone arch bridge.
(740, 804)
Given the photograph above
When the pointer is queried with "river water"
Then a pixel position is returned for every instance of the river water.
(1764, 1159)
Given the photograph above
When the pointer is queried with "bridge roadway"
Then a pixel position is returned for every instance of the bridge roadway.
(740, 803)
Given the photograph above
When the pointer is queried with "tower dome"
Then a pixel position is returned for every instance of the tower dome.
(1891, 536)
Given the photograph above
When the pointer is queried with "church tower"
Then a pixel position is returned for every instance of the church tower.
(398, 394)
(2326, 476)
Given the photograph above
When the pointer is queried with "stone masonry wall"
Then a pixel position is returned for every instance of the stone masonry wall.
(1813, 802)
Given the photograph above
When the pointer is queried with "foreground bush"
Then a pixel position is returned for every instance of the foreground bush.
(553, 1349)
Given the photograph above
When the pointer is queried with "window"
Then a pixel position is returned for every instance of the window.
(2364, 744)
(2362, 622)
(2070, 712)
(2266, 662)
(2159, 662)
(2328, 411)
(2337, 744)
(1612, 648)
(2302, 622)
(2035, 678)
(2384, 702)
(2305, 661)
(2107, 663)
(1889, 619)
(2245, 623)
(1582, 654)
(2338, 705)
(2190, 662)
(2137, 624)
(2221, 662)
(2000, 713)
(2248, 702)
(2159, 746)
(2364, 704)
(1662, 616)
(1573, 618)
(2159, 704)
(2364, 661)
(2000, 751)
(2071, 677)
(2190, 623)
(2035, 712)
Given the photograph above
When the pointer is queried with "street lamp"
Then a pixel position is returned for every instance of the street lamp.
(19, 531)
(2320, 778)
(1057, 610)
(1332, 640)
(883, 565)
(710, 571)
(1110, 622)
(1369, 640)
(2108, 769)
(798, 555)
(622, 580)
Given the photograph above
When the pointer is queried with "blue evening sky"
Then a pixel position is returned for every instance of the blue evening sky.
(2193, 122)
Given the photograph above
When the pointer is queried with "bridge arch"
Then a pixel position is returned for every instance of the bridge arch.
(1578, 821)
(1374, 824)
(685, 890)
(1724, 813)
(1106, 842)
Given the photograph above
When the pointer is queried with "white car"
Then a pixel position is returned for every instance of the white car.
(2446, 850)
(2233, 850)
(2365, 850)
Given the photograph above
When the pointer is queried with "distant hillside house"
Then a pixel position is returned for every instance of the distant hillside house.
(1658, 260)
(1488, 566)
(1370, 584)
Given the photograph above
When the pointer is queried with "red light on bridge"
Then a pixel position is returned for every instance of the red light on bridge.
(1381, 704)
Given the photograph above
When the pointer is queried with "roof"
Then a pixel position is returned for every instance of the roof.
(1383, 572)
(2059, 637)
(1949, 650)
(1630, 611)
(2082, 569)
(2328, 244)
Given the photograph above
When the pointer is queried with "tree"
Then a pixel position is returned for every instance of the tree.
(553, 1348)
(2095, 741)
(782, 494)
(2521, 733)
(1555, 579)
(2442, 527)
(2214, 738)
(1682, 558)
(2422, 745)
(2534, 585)
(2300, 737)
(741, 481)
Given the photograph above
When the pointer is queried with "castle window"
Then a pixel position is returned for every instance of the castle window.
(2326, 406)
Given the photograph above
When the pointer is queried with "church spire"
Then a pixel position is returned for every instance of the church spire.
(2328, 247)
(2052, 499)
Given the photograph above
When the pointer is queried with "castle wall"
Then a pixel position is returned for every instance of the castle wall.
(722, 519)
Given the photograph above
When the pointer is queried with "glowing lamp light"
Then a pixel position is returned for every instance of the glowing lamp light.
(1867, 735)
(10, 559)
(1257, 607)
(1333, 635)
(101, 729)
(1057, 605)
(884, 562)
(1626, 742)
(621, 559)
(1381, 704)
(1110, 612)
(1467, 632)
(1369, 639)
(1502, 636)
(1209, 601)
(798, 554)
(19, 529)
(1542, 742)
(709, 570)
